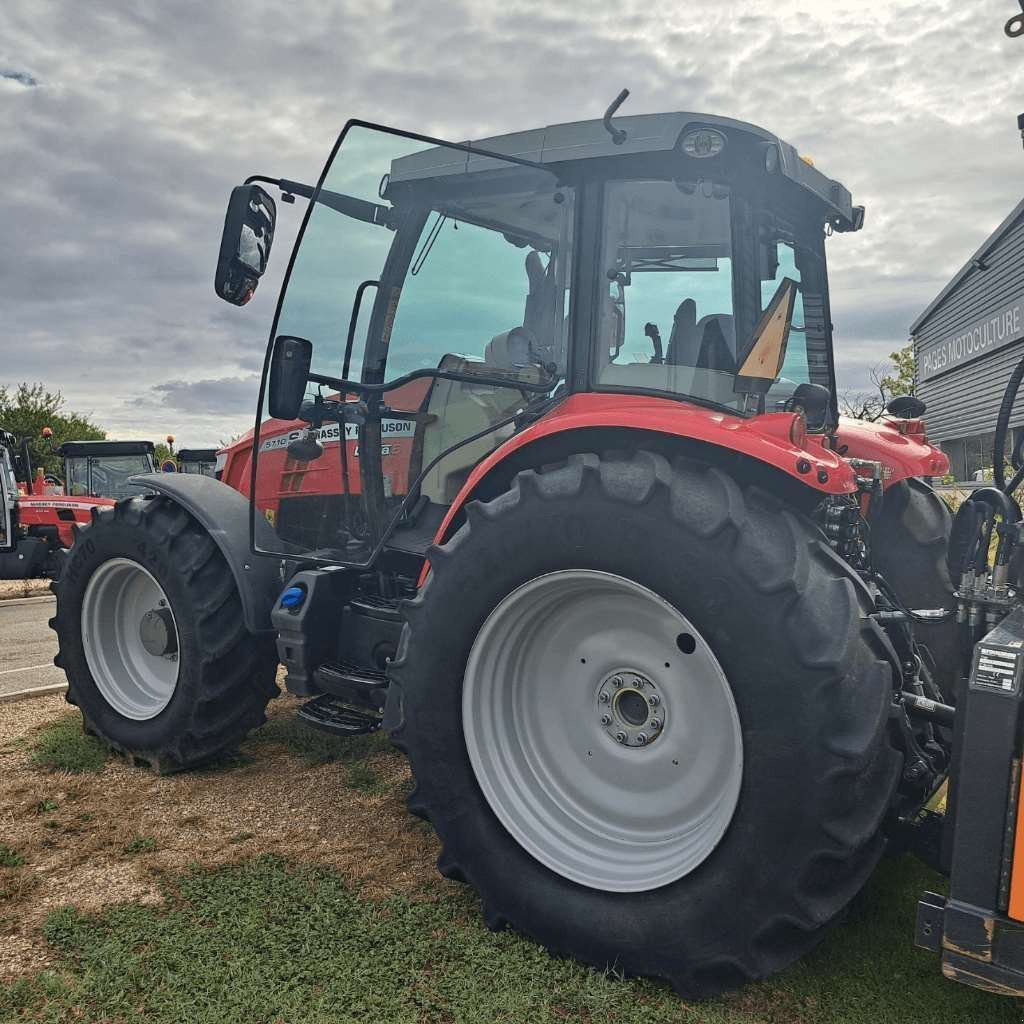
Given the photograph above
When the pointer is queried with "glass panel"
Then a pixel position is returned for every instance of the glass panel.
(108, 476)
(8, 497)
(417, 258)
(76, 472)
(795, 367)
(667, 322)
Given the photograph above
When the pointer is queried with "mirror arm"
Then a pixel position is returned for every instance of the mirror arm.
(357, 209)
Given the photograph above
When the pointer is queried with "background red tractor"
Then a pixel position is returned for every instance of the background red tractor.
(40, 513)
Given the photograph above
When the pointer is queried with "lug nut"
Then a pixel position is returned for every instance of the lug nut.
(617, 681)
(606, 719)
(655, 723)
(620, 737)
(654, 700)
(603, 697)
(642, 738)
(639, 684)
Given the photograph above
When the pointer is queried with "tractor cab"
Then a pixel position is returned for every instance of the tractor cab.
(443, 297)
(104, 468)
(201, 461)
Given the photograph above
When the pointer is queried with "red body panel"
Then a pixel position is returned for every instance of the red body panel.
(58, 510)
(278, 476)
(902, 455)
(900, 446)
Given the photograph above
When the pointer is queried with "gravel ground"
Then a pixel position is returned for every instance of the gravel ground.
(23, 588)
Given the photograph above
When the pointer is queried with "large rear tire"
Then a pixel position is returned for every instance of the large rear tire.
(909, 545)
(581, 575)
(153, 641)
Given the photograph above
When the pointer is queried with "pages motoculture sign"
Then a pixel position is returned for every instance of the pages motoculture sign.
(977, 339)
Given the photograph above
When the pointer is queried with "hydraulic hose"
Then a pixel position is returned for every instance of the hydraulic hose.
(1003, 425)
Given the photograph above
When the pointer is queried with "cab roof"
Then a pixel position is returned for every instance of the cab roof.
(645, 133)
(197, 454)
(98, 449)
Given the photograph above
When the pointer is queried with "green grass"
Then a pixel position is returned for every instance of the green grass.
(316, 747)
(10, 858)
(63, 746)
(140, 844)
(261, 943)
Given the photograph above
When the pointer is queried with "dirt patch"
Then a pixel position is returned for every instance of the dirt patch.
(85, 838)
(10, 589)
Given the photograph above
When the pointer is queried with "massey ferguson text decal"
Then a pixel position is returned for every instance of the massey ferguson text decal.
(331, 433)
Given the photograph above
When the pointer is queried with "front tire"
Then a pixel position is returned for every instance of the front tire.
(153, 641)
(909, 546)
(807, 672)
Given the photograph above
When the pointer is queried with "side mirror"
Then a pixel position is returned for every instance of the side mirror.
(906, 407)
(815, 401)
(289, 374)
(245, 243)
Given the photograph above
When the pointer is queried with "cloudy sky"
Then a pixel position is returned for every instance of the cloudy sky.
(123, 127)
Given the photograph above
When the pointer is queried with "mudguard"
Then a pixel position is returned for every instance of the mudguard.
(766, 438)
(224, 514)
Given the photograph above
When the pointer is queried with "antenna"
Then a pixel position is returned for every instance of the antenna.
(618, 134)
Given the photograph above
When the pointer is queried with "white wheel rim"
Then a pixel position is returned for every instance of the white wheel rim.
(591, 799)
(134, 681)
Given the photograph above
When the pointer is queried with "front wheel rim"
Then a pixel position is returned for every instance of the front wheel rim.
(136, 682)
(602, 730)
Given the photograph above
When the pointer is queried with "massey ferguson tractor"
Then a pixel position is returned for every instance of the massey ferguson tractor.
(547, 480)
(39, 512)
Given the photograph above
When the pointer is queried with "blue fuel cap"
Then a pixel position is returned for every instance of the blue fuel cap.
(293, 597)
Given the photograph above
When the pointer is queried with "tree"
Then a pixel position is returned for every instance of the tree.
(901, 379)
(30, 408)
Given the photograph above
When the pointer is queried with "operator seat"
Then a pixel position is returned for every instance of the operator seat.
(683, 346)
(718, 343)
(537, 334)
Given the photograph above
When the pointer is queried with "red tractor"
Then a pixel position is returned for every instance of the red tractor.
(40, 512)
(548, 481)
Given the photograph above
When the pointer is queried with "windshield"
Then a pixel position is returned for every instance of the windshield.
(198, 468)
(419, 259)
(105, 476)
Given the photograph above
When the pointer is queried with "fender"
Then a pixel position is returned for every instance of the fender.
(765, 438)
(224, 514)
(899, 445)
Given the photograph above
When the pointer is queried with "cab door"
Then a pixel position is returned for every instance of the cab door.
(8, 498)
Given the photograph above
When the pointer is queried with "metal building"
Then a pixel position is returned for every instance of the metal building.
(967, 342)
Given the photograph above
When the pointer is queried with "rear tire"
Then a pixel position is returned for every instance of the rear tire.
(129, 697)
(909, 545)
(809, 672)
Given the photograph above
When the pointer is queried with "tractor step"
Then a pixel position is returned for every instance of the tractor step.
(334, 715)
(362, 688)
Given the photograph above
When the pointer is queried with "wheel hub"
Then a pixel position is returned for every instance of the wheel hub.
(630, 708)
(157, 632)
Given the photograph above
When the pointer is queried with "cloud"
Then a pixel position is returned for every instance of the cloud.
(21, 77)
(224, 396)
(116, 171)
